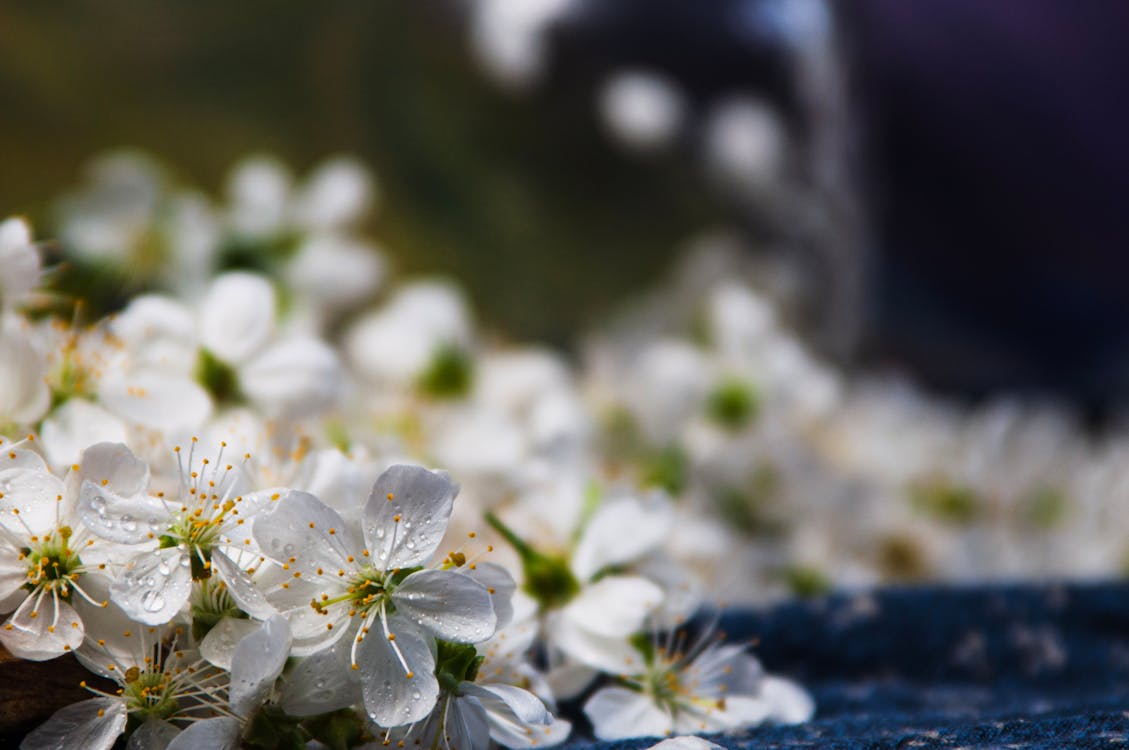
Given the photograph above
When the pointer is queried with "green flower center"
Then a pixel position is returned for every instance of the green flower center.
(548, 578)
(732, 404)
(218, 378)
(448, 375)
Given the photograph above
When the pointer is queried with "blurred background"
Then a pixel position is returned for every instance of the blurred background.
(940, 187)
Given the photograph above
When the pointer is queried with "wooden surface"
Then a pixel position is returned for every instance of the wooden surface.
(31, 691)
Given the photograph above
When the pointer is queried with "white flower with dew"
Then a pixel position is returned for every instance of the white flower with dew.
(329, 584)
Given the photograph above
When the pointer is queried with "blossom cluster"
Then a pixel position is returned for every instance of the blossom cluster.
(214, 494)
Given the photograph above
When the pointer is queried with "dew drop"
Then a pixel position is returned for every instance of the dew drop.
(152, 601)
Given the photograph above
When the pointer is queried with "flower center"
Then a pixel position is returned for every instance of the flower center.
(732, 404)
(149, 694)
(218, 378)
(52, 565)
(548, 579)
(211, 602)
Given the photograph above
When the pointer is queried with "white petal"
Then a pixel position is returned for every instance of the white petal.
(607, 654)
(154, 585)
(125, 519)
(618, 713)
(451, 605)
(42, 630)
(293, 379)
(615, 606)
(422, 500)
(20, 261)
(29, 500)
(258, 190)
(106, 644)
(466, 726)
(237, 316)
(336, 271)
(604, 541)
(211, 734)
(24, 396)
(114, 466)
(320, 683)
(726, 668)
(257, 663)
(158, 331)
(790, 703)
(501, 586)
(159, 400)
(339, 192)
(150, 317)
(20, 455)
(218, 646)
(685, 742)
(241, 588)
(76, 424)
(154, 734)
(13, 575)
(301, 527)
(14, 232)
(514, 715)
(391, 697)
(91, 725)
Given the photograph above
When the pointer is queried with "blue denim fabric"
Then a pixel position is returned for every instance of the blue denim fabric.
(987, 667)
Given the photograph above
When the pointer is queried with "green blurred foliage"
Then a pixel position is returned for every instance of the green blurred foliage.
(523, 199)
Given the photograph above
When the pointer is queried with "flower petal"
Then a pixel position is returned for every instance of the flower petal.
(618, 713)
(221, 733)
(304, 533)
(29, 501)
(513, 714)
(218, 646)
(95, 724)
(42, 630)
(24, 396)
(237, 316)
(604, 542)
(685, 743)
(614, 655)
(128, 520)
(615, 606)
(76, 424)
(320, 683)
(13, 575)
(293, 379)
(114, 466)
(790, 703)
(407, 514)
(466, 726)
(241, 588)
(154, 734)
(157, 399)
(154, 585)
(257, 663)
(450, 605)
(391, 697)
(501, 586)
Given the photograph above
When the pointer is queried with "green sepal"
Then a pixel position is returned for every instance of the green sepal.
(271, 728)
(339, 730)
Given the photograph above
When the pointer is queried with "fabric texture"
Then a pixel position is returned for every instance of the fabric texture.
(985, 667)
